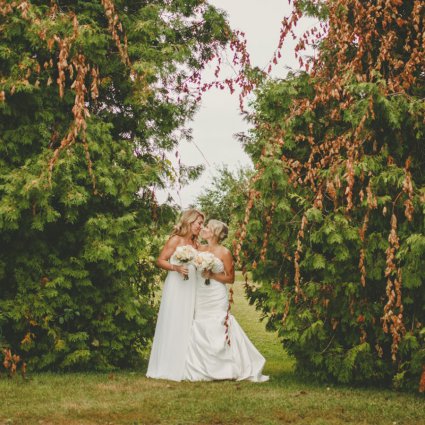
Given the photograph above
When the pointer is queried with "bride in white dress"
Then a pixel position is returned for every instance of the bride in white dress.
(218, 346)
(170, 344)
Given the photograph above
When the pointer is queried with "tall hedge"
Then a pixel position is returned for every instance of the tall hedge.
(92, 93)
(334, 228)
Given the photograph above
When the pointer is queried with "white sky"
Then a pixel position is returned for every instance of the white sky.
(218, 118)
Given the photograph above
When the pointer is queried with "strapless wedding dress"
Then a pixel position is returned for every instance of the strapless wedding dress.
(176, 312)
(209, 357)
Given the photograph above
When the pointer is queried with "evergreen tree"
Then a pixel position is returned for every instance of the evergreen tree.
(91, 96)
(226, 194)
(338, 200)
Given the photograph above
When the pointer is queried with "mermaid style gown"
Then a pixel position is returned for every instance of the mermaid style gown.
(209, 357)
(170, 344)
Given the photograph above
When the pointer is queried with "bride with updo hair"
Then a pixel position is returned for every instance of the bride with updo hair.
(169, 348)
(218, 347)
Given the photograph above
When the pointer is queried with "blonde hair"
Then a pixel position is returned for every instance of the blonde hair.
(218, 229)
(182, 228)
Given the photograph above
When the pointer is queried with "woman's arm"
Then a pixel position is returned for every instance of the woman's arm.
(164, 257)
(228, 276)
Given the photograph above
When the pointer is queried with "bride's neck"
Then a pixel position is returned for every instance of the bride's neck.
(212, 243)
(191, 238)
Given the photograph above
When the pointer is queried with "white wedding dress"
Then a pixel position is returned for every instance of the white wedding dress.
(170, 344)
(209, 357)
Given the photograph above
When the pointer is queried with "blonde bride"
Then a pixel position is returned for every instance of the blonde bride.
(170, 344)
(218, 346)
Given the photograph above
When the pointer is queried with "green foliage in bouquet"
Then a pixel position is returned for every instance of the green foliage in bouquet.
(92, 95)
(334, 229)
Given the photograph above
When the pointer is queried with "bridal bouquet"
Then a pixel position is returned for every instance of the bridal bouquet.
(205, 261)
(184, 255)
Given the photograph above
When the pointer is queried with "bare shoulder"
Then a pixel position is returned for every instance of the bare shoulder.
(174, 241)
(225, 253)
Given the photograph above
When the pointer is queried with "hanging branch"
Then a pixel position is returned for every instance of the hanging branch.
(115, 27)
(393, 290)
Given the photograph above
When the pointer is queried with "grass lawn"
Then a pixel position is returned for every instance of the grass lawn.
(130, 398)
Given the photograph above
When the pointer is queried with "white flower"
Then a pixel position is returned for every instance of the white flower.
(184, 254)
(207, 261)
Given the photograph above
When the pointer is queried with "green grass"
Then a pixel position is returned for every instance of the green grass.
(130, 398)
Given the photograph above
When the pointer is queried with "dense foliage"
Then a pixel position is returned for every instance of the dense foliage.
(334, 229)
(92, 93)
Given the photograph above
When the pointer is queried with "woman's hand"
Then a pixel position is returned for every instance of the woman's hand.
(228, 275)
(183, 270)
(207, 274)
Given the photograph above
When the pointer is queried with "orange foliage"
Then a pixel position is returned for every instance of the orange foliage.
(11, 361)
(422, 381)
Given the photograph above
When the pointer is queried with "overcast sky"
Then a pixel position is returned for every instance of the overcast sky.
(219, 118)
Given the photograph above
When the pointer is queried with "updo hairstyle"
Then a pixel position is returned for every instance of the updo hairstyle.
(218, 229)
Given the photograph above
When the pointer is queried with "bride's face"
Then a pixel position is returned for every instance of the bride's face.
(196, 226)
(206, 233)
